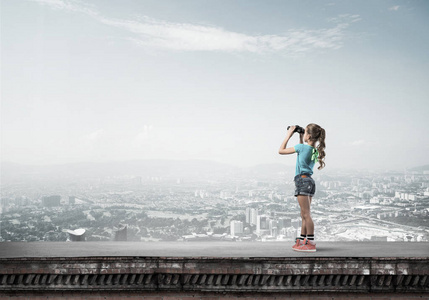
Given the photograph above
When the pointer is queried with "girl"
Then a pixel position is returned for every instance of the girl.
(305, 187)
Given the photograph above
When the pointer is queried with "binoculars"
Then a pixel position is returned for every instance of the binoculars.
(298, 129)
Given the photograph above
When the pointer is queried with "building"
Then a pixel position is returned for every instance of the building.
(254, 216)
(236, 228)
(239, 270)
(374, 200)
(77, 235)
(120, 233)
(290, 232)
(72, 200)
(225, 195)
(51, 201)
(262, 224)
(273, 226)
(274, 232)
(285, 222)
(388, 214)
(19, 201)
(296, 223)
(251, 215)
(405, 196)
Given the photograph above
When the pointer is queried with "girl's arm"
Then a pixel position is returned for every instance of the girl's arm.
(283, 149)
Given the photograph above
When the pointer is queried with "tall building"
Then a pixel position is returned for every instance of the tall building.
(253, 216)
(236, 228)
(51, 201)
(273, 226)
(72, 200)
(4, 201)
(262, 223)
(21, 201)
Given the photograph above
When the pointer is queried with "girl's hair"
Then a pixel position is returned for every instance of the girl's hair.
(317, 133)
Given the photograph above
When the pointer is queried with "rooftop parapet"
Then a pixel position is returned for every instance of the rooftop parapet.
(214, 267)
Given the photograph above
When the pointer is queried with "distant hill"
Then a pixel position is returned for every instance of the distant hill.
(272, 168)
(120, 168)
(420, 168)
(158, 168)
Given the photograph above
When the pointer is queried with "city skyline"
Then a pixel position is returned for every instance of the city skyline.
(100, 81)
(255, 207)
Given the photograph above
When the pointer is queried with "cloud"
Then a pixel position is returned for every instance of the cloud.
(190, 37)
(149, 32)
(357, 143)
(345, 19)
(395, 8)
(74, 5)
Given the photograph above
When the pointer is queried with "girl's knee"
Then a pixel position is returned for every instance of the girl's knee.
(306, 215)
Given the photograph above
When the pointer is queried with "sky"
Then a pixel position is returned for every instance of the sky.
(103, 80)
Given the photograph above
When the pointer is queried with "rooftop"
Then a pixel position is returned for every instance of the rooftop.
(186, 268)
(211, 249)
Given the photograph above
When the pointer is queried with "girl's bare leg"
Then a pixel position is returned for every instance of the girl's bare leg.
(303, 228)
(307, 221)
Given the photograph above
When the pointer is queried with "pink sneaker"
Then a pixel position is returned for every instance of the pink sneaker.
(307, 246)
(298, 243)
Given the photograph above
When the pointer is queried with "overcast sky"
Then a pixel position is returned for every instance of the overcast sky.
(116, 80)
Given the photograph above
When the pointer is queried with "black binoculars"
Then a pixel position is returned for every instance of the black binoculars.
(298, 129)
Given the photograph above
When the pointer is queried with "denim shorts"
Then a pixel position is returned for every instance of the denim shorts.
(304, 186)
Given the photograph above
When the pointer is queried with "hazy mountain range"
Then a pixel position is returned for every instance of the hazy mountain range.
(161, 168)
(195, 169)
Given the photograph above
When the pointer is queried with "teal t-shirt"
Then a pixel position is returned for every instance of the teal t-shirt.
(307, 157)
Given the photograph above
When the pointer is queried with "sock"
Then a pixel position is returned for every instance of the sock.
(302, 238)
(310, 238)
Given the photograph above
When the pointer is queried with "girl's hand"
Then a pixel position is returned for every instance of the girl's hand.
(291, 130)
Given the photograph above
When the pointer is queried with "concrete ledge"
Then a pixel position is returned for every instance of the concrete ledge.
(210, 249)
(25, 268)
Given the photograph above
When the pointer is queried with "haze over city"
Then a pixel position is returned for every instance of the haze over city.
(98, 81)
